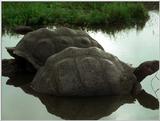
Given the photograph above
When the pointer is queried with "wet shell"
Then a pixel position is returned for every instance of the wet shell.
(38, 45)
(84, 72)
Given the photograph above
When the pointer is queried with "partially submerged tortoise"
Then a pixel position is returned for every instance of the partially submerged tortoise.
(38, 45)
(90, 72)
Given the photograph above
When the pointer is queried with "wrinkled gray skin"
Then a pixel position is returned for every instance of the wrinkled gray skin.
(85, 72)
(38, 45)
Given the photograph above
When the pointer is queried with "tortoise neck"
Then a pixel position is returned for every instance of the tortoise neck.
(139, 74)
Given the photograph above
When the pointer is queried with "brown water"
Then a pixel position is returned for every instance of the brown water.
(131, 46)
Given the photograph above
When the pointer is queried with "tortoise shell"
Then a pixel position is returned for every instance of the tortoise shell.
(84, 72)
(38, 45)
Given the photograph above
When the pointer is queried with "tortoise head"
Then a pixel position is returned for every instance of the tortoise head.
(145, 69)
(22, 30)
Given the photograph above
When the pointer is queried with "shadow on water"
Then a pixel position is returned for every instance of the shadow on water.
(78, 107)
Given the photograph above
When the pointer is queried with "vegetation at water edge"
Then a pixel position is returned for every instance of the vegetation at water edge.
(105, 15)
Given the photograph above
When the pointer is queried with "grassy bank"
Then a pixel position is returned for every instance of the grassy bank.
(80, 14)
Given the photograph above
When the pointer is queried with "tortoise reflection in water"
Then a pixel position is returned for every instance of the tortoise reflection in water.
(79, 108)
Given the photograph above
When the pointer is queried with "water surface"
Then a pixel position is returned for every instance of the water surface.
(130, 46)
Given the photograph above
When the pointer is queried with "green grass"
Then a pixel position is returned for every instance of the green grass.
(92, 15)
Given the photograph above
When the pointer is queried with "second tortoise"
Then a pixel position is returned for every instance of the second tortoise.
(38, 45)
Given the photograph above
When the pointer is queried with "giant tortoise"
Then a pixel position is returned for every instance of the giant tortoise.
(90, 72)
(38, 45)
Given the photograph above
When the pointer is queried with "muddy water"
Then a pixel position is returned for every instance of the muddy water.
(131, 46)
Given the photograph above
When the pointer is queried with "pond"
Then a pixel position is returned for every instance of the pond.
(131, 46)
